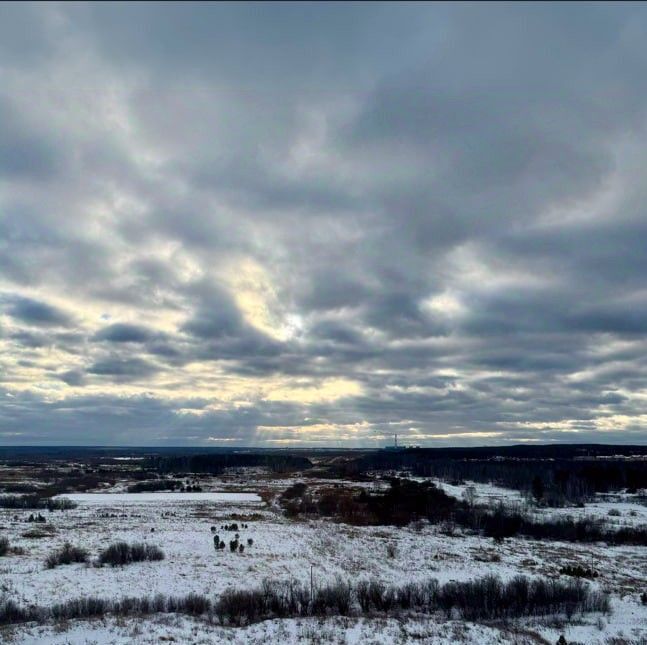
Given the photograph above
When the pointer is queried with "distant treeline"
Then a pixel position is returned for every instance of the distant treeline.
(215, 464)
(35, 502)
(551, 481)
(528, 451)
(154, 486)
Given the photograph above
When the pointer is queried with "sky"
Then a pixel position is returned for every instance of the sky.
(323, 224)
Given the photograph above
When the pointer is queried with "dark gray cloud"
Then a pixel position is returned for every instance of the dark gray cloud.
(322, 223)
(122, 369)
(35, 312)
(124, 333)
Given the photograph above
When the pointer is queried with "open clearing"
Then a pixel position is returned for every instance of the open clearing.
(180, 524)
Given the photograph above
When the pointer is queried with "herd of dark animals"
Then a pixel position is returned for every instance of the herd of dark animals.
(235, 544)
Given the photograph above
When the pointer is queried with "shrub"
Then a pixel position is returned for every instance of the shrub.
(294, 491)
(194, 604)
(239, 606)
(374, 595)
(11, 612)
(489, 598)
(121, 553)
(334, 599)
(4, 546)
(67, 554)
(482, 599)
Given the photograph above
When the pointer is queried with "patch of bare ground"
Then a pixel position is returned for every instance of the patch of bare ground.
(39, 532)
(522, 636)
(267, 496)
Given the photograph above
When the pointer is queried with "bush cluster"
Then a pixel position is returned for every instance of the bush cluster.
(67, 554)
(121, 553)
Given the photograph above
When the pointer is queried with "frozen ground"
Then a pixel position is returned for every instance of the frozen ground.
(328, 631)
(180, 524)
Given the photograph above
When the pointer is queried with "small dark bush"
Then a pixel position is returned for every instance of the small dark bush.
(294, 491)
(67, 554)
(373, 595)
(4, 546)
(194, 604)
(334, 599)
(121, 553)
(11, 612)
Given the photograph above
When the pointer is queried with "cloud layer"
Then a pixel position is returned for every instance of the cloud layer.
(316, 224)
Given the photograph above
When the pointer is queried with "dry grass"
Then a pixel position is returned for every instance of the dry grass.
(39, 532)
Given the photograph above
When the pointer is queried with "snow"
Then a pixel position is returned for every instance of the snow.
(180, 524)
(350, 631)
(107, 499)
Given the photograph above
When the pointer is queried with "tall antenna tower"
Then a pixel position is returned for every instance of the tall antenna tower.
(395, 437)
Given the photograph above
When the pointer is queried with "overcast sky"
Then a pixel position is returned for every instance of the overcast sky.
(322, 224)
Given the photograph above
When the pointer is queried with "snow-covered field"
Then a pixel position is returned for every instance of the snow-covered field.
(120, 499)
(180, 524)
